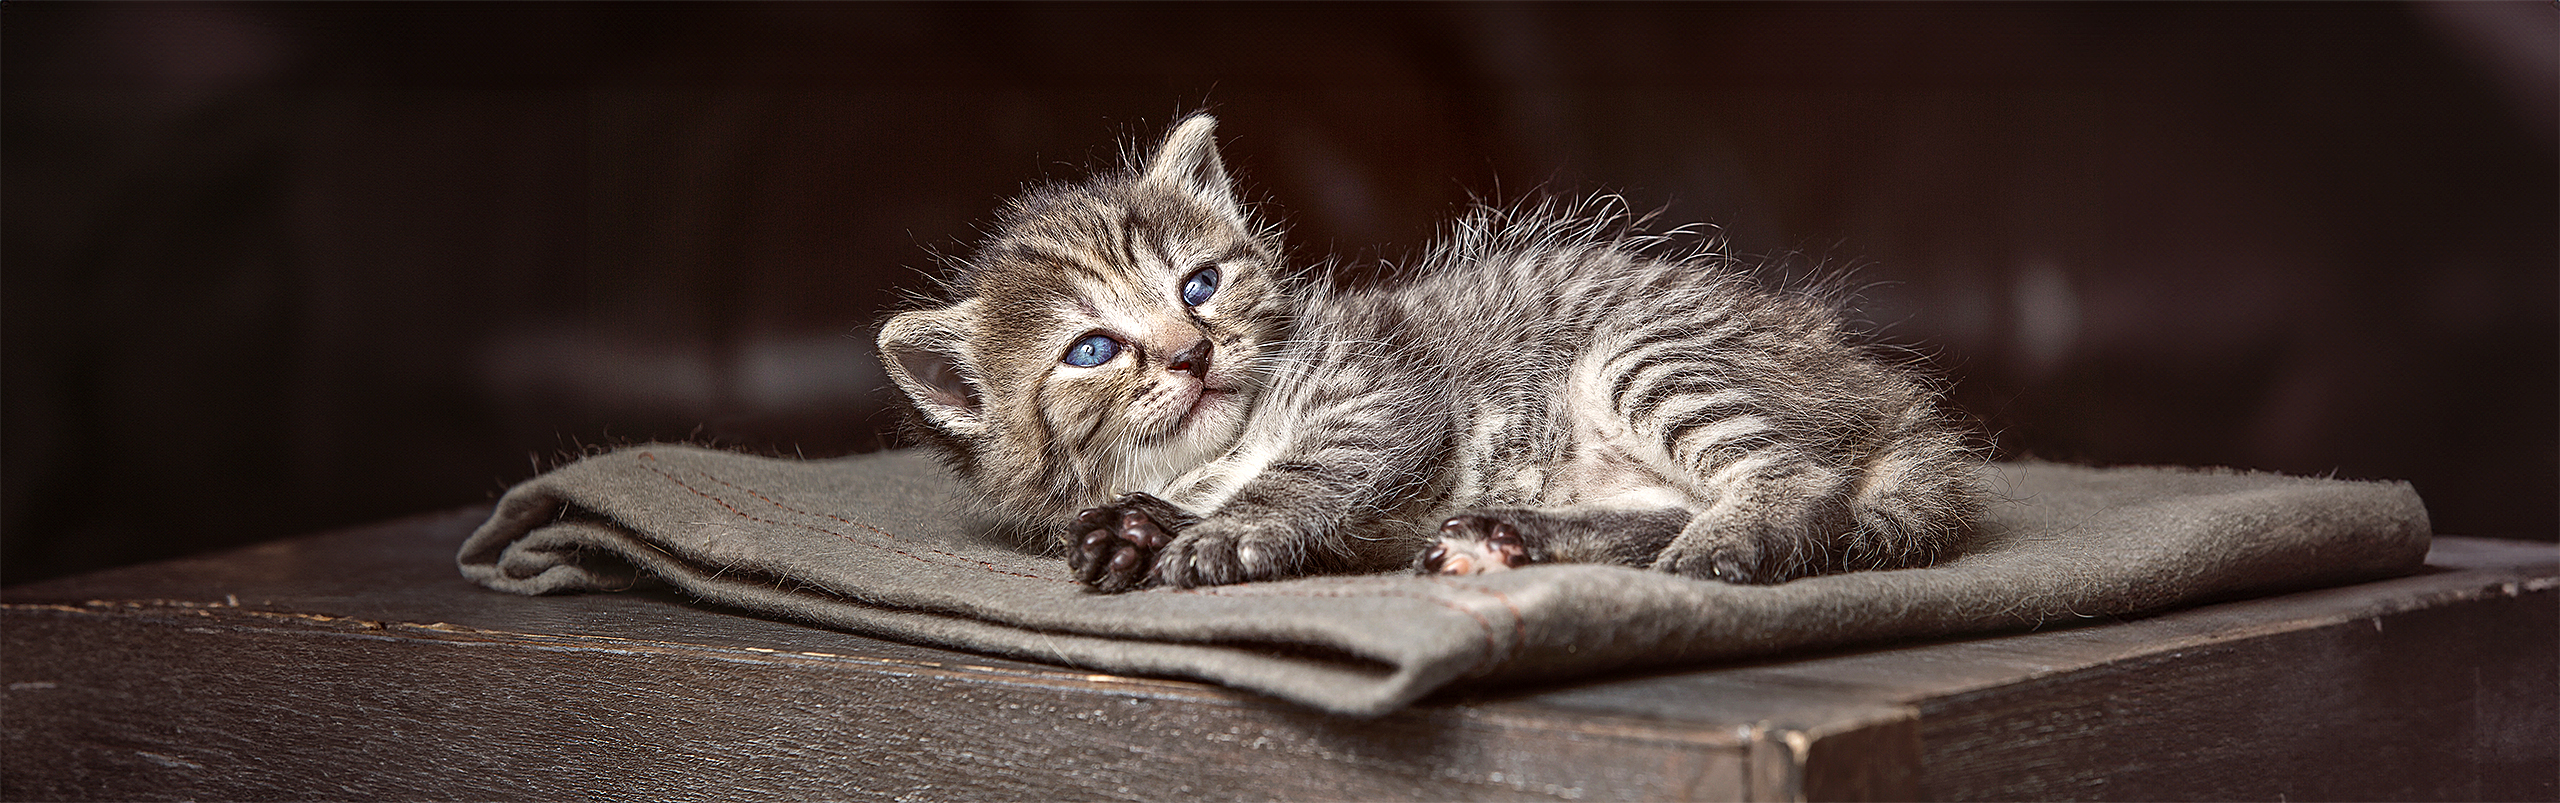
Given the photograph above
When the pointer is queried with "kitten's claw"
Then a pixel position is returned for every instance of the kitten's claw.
(1473, 544)
(1111, 548)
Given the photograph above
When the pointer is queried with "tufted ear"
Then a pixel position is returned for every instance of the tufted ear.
(927, 353)
(1188, 161)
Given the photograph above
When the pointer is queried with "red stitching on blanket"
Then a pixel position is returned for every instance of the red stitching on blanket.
(1495, 653)
(987, 565)
(1519, 623)
(964, 562)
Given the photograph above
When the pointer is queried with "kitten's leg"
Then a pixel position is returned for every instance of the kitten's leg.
(1781, 515)
(1113, 548)
(1480, 541)
(1782, 510)
(1319, 512)
(1330, 502)
(1914, 500)
(1775, 517)
(1278, 529)
(1288, 523)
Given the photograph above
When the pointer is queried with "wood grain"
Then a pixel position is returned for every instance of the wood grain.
(357, 666)
(155, 702)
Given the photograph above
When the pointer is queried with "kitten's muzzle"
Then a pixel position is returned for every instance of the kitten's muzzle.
(1193, 360)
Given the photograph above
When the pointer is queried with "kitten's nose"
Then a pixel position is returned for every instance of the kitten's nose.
(1193, 360)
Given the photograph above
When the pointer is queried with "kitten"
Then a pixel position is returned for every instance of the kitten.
(1129, 360)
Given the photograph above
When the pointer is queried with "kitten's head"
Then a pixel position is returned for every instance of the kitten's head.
(1108, 337)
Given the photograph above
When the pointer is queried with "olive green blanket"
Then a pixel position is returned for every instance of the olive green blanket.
(880, 544)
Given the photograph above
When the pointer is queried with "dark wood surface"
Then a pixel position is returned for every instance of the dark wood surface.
(360, 665)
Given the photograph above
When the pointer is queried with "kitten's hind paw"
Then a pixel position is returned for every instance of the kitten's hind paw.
(1737, 563)
(1473, 544)
(1113, 548)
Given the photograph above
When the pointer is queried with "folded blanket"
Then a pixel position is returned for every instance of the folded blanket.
(880, 544)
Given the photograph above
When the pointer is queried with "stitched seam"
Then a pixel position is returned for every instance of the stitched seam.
(964, 563)
(987, 565)
(1519, 622)
(1494, 652)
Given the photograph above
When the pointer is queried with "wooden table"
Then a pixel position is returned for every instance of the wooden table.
(360, 665)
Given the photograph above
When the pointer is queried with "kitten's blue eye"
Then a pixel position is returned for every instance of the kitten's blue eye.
(1092, 351)
(1202, 284)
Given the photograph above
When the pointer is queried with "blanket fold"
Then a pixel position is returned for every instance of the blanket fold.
(879, 544)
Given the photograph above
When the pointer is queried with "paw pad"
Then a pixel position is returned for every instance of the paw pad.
(1471, 544)
(1112, 547)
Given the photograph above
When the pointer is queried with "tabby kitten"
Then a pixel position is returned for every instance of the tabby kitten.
(1129, 361)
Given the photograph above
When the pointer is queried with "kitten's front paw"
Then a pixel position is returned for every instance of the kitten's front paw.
(1220, 552)
(1110, 548)
(1474, 544)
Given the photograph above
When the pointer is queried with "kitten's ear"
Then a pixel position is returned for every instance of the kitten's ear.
(1188, 161)
(927, 353)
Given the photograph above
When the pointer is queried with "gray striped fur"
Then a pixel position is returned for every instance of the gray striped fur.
(1543, 365)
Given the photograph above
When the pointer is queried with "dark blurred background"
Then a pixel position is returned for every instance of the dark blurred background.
(275, 268)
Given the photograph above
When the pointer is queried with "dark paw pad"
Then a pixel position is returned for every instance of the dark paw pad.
(1110, 549)
(1472, 544)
